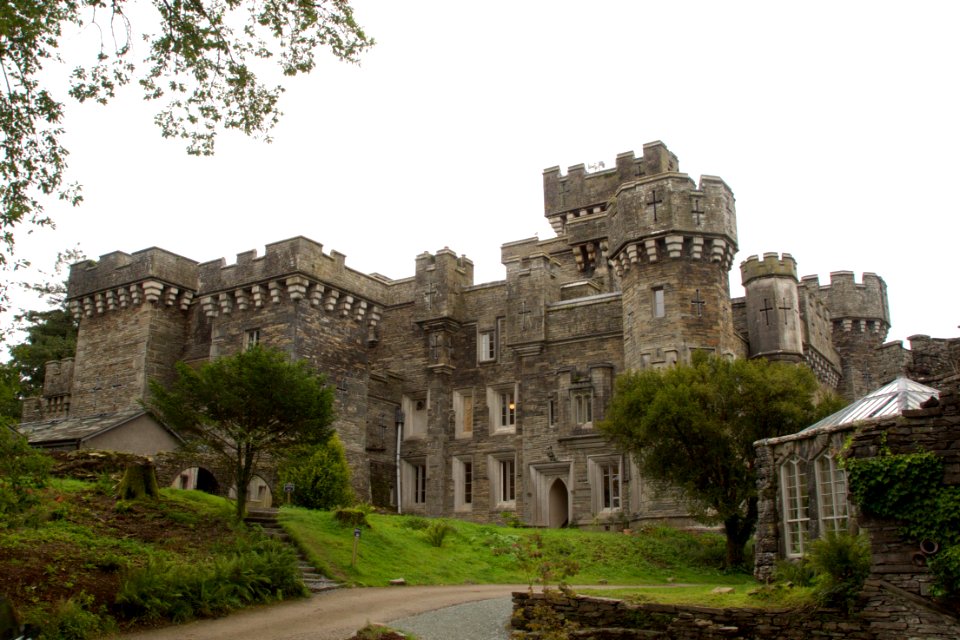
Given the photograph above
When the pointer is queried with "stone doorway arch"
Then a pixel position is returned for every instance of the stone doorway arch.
(197, 478)
(558, 507)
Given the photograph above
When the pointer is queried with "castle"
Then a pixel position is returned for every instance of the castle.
(470, 400)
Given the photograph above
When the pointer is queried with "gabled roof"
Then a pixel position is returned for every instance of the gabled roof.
(889, 400)
(66, 430)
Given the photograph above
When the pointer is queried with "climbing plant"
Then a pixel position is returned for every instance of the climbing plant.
(908, 487)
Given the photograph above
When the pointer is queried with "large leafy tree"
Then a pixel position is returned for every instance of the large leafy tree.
(244, 407)
(693, 426)
(201, 59)
(50, 335)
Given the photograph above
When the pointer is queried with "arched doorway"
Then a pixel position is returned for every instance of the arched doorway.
(558, 505)
(259, 494)
(196, 478)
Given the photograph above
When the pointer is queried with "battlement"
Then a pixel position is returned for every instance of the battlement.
(119, 269)
(847, 298)
(580, 189)
(447, 260)
(772, 266)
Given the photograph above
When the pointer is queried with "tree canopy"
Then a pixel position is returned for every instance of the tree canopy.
(202, 59)
(244, 407)
(693, 426)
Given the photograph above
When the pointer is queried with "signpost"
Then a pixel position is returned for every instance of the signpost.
(356, 543)
(288, 489)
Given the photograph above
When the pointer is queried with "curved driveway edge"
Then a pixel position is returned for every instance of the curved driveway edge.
(332, 615)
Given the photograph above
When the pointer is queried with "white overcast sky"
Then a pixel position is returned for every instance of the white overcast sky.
(835, 124)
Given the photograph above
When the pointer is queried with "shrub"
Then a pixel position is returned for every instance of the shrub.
(842, 563)
(72, 620)
(416, 523)
(800, 573)
(320, 475)
(437, 531)
(258, 572)
(351, 517)
(945, 567)
(23, 472)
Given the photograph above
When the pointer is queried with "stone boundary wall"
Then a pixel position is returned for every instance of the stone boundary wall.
(888, 614)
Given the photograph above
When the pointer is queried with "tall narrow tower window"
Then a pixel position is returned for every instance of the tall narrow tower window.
(659, 310)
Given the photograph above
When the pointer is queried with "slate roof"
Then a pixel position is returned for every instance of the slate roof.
(65, 430)
(889, 400)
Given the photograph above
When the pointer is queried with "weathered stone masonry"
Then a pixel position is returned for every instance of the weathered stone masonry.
(499, 384)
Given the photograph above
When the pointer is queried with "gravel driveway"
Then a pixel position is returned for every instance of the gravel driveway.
(336, 615)
(481, 620)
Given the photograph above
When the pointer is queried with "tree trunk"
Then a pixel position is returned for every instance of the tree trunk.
(738, 529)
(139, 482)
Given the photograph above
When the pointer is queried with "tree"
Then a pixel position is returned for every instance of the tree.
(202, 57)
(693, 426)
(320, 475)
(245, 407)
(51, 335)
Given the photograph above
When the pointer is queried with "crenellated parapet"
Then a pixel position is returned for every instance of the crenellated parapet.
(854, 306)
(580, 193)
(120, 281)
(772, 265)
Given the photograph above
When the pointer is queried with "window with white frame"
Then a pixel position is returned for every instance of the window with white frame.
(463, 483)
(251, 339)
(581, 402)
(793, 481)
(503, 471)
(487, 345)
(415, 416)
(502, 406)
(606, 487)
(414, 478)
(463, 413)
(831, 494)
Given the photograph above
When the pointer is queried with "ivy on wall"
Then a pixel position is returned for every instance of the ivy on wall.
(909, 487)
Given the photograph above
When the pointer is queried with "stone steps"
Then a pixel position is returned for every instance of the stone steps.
(266, 519)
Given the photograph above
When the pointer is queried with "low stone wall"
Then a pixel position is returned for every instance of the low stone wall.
(888, 614)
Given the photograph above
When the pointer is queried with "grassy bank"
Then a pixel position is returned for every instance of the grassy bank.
(399, 547)
(81, 563)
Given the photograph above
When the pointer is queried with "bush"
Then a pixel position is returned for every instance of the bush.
(259, 572)
(23, 472)
(351, 517)
(945, 567)
(320, 475)
(437, 531)
(842, 564)
(800, 573)
(416, 523)
(72, 620)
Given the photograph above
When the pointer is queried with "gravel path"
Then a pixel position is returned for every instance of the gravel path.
(481, 620)
(335, 615)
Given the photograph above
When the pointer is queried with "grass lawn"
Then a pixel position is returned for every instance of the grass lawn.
(398, 547)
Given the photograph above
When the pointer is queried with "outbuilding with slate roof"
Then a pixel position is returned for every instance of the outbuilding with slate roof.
(134, 431)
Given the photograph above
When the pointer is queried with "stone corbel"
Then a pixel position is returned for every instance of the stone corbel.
(331, 301)
(209, 307)
(226, 303)
(297, 287)
(275, 291)
(243, 300)
(152, 290)
(316, 295)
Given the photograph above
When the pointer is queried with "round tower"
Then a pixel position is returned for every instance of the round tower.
(672, 243)
(773, 307)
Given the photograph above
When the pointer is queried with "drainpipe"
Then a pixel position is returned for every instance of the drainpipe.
(398, 418)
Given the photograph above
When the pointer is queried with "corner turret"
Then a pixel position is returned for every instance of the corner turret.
(773, 308)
